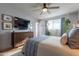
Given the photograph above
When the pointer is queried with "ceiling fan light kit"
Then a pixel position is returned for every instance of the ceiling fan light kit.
(44, 9)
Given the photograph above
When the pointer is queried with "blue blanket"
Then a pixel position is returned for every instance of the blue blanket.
(31, 46)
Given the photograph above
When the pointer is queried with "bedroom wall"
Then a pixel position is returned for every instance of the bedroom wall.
(73, 17)
(41, 28)
(78, 15)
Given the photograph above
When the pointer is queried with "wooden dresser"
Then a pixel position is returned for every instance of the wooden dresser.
(18, 38)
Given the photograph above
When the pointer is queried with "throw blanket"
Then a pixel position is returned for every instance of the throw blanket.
(31, 46)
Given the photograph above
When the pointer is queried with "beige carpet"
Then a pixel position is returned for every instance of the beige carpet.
(13, 52)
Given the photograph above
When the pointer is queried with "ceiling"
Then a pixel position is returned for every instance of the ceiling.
(33, 10)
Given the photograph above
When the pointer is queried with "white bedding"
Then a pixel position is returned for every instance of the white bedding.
(53, 47)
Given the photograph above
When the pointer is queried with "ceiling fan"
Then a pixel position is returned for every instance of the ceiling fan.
(45, 8)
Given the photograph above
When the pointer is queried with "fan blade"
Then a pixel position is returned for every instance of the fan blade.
(35, 9)
(53, 7)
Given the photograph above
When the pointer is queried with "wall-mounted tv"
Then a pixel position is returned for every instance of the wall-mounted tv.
(21, 24)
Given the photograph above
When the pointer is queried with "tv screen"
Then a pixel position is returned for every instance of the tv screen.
(21, 23)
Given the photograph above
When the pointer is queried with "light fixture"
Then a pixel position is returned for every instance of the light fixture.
(44, 9)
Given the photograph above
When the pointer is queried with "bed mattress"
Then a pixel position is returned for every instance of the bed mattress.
(51, 46)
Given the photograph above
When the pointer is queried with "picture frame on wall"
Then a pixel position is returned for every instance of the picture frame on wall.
(6, 17)
(7, 26)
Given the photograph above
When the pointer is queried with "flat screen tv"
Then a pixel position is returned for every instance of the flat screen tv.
(21, 24)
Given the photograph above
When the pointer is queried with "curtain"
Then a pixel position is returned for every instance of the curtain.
(62, 25)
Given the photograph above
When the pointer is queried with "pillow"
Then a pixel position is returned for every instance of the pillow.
(73, 38)
(64, 39)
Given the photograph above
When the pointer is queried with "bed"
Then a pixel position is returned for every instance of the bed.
(47, 46)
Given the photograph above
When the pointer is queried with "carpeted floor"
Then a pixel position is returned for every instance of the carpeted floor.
(13, 52)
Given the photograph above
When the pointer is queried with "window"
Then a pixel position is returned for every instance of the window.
(54, 27)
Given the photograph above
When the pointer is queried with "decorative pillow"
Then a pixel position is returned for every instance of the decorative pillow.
(73, 38)
(64, 39)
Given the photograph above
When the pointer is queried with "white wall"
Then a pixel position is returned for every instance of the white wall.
(41, 27)
(33, 22)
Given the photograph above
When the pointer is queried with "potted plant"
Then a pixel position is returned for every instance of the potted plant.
(66, 24)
